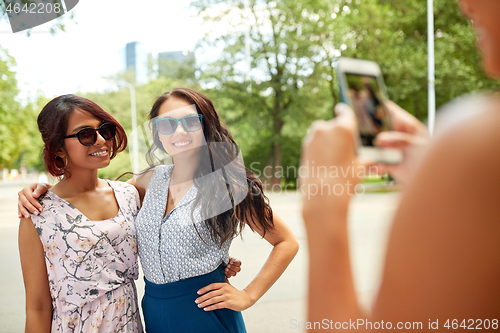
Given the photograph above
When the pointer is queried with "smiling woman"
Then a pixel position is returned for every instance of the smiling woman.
(79, 255)
(180, 141)
(66, 115)
(192, 210)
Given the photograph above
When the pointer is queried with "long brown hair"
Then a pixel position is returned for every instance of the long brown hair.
(220, 150)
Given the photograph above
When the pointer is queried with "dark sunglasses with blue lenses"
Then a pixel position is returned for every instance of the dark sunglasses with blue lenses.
(88, 135)
(191, 123)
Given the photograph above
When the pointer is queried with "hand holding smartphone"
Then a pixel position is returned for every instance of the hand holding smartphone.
(362, 87)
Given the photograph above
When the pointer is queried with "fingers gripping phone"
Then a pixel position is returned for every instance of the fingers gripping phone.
(362, 87)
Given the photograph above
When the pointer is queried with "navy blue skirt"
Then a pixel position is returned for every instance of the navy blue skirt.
(170, 308)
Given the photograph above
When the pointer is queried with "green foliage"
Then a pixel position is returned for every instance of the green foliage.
(284, 94)
(9, 109)
(394, 34)
(30, 143)
(20, 142)
(19, 138)
(293, 48)
(177, 70)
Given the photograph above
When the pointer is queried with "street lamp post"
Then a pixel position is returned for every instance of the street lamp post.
(247, 47)
(135, 139)
(431, 77)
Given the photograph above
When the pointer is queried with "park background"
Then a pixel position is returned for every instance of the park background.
(269, 67)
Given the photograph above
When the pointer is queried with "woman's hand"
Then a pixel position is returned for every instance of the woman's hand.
(409, 135)
(332, 167)
(232, 268)
(332, 173)
(27, 199)
(223, 295)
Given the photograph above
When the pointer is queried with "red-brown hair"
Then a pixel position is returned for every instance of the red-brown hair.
(53, 124)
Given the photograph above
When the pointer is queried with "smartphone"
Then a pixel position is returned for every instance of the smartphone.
(362, 87)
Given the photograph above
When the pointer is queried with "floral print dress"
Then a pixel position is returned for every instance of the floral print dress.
(91, 265)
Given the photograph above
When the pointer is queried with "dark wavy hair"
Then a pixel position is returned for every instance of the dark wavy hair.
(219, 152)
(53, 124)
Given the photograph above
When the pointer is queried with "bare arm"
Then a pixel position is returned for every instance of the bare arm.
(331, 289)
(27, 198)
(285, 247)
(443, 254)
(141, 183)
(141, 190)
(38, 299)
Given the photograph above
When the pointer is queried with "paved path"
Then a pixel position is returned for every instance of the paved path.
(284, 303)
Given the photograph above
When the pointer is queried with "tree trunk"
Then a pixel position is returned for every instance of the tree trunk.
(333, 90)
(417, 109)
(271, 175)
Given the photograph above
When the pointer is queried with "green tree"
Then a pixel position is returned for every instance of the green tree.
(20, 143)
(29, 142)
(18, 129)
(184, 70)
(9, 108)
(394, 34)
(281, 97)
(294, 46)
(458, 65)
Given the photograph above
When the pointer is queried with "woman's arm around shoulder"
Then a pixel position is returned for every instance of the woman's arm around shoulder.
(141, 183)
(36, 283)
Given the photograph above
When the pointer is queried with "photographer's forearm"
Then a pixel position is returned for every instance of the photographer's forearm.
(332, 294)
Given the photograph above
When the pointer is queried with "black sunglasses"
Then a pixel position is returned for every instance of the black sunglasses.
(88, 136)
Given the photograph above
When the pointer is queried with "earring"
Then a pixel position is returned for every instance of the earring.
(64, 161)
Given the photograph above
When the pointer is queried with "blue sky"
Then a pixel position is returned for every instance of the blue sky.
(76, 60)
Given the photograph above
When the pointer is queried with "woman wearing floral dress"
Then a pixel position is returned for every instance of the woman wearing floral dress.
(79, 255)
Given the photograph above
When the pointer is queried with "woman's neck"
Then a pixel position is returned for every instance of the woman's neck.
(80, 181)
(184, 171)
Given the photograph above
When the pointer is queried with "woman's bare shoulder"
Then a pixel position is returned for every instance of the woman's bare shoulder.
(143, 179)
(458, 177)
(472, 138)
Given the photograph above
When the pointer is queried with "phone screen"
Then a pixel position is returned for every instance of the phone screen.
(367, 102)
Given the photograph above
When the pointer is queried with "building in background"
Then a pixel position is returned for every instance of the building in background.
(134, 59)
(171, 62)
(178, 56)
